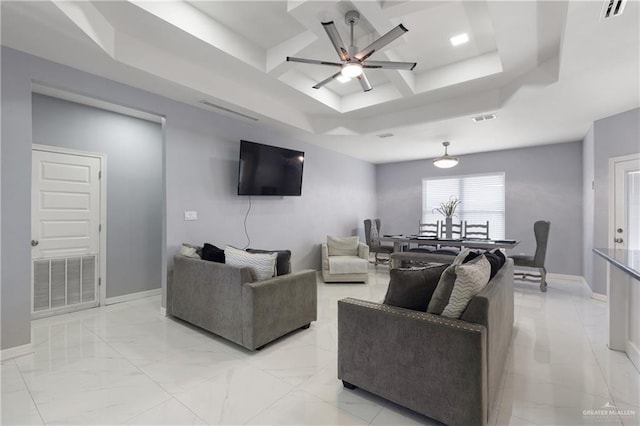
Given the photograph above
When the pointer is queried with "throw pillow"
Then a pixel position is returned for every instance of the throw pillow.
(212, 253)
(496, 260)
(412, 288)
(342, 246)
(441, 295)
(443, 291)
(261, 265)
(283, 260)
(189, 250)
(471, 278)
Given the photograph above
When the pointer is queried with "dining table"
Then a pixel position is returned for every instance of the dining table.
(475, 243)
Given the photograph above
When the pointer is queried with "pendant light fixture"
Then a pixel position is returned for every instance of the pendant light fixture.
(446, 161)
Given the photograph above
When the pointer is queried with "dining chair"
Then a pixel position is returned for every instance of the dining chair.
(541, 232)
(475, 230)
(456, 233)
(372, 237)
(430, 230)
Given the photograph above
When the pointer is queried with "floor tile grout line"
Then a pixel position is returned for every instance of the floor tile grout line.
(26, 386)
(171, 396)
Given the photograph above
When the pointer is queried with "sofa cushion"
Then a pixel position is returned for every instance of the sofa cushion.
(471, 278)
(212, 253)
(342, 246)
(261, 265)
(413, 288)
(348, 265)
(497, 259)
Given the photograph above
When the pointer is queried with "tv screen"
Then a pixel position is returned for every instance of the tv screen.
(269, 170)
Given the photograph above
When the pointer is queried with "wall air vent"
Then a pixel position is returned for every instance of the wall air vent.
(612, 8)
(384, 135)
(227, 110)
(484, 117)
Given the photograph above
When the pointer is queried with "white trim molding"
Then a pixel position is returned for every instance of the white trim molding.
(595, 296)
(16, 351)
(133, 296)
(163, 311)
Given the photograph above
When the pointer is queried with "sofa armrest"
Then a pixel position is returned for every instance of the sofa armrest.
(293, 297)
(363, 251)
(430, 364)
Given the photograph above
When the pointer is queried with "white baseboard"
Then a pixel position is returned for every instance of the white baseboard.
(163, 311)
(132, 296)
(15, 352)
(580, 278)
(633, 353)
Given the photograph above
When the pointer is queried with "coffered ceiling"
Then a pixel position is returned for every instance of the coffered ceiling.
(546, 69)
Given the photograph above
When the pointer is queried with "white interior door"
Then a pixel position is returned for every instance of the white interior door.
(65, 227)
(626, 226)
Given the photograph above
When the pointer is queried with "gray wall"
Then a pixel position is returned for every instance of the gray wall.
(588, 209)
(542, 182)
(614, 136)
(201, 151)
(133, 149)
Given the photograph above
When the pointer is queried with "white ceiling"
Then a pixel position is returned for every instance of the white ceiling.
(546, 69)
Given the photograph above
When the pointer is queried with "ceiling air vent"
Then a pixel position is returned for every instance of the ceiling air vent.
(612, 8)
(484, 117)
(384, 135)
(227, 110)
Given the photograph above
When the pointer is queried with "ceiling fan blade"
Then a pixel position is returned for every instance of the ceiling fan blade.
(381, 42)
(364, 82)
(336, 40)
(312, 61)
(327, 80)
(389, 65)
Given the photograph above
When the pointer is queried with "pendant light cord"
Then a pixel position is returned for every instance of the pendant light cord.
(245, 226)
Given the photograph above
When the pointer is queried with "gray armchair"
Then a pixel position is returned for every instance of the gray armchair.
(372, 236)
(541, 232)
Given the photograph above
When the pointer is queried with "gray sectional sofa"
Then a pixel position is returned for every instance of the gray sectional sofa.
(446, 369)
(224, 300)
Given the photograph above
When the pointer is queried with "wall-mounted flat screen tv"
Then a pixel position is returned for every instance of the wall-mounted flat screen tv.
(269, 170)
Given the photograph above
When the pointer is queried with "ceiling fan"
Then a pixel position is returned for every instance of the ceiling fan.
(353, 61)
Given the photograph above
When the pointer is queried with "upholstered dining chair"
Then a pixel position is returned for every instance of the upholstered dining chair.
(372, 236)
(541, 232)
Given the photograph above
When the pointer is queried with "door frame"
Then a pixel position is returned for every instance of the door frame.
(612, 195)
(102, 235)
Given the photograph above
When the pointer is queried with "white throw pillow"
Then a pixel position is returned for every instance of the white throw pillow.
(261, 265)
(471, 278)
(189, 251)
(342, 246)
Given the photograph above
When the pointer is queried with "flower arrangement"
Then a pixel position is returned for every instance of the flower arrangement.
(448, 209)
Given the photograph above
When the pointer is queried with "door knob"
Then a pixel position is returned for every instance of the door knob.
(34, 243)
(618, 240)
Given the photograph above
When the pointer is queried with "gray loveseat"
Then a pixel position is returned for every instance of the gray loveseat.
(224, 300)
(446, 369)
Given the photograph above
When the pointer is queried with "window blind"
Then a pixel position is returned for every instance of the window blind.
(481, 199)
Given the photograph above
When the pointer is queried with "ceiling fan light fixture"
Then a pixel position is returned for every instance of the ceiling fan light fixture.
(351, 70)
(446, 161)
(343, 79)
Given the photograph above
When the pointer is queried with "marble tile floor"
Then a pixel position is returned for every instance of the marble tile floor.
(128, 364)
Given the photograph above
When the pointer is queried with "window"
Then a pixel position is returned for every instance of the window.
(481, 199)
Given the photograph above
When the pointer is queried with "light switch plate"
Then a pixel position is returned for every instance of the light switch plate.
(191, 215)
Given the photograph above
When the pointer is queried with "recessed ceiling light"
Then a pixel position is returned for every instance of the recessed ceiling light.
(459, 39)
(484, 117)
(343, 78)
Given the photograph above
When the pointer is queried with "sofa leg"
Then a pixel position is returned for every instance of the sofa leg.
(304, 327)
(348, 385)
